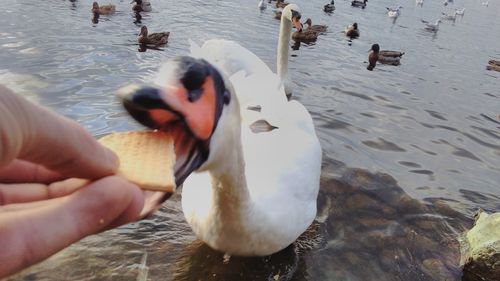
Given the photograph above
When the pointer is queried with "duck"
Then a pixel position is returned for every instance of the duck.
(316, 27)
(383, 56)
(281, 4)
(419, 2)
(141, 6)
(234, 198)
(328, 8)
(359, 3)
(394, 13)
(460, 12)
(493, 65)
(277, 14)
(352, 30)
(432, 26)
(262, 4)
(305, 35)
(103, 10)
(451, 17)
(156, 39)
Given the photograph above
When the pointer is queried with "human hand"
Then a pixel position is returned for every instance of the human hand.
(43, 208)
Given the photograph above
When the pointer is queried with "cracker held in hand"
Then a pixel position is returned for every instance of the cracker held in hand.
(146, 158)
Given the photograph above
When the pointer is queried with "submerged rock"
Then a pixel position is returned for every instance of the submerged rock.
(480, 249)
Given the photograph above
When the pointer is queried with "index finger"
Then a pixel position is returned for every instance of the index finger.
(33, 133)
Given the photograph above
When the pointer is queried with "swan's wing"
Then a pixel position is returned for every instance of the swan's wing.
(232, 57)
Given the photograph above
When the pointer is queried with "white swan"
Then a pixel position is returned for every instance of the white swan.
(262, 4)
(246, 192)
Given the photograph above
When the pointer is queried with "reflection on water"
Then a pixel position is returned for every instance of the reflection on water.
(410, 152)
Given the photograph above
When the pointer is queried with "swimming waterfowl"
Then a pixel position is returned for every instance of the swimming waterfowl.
(160, 38)
(234, 198)
(419, 2)
(316, 27)
(328, 8)
(141, 6)
(277, 14)
(394, 13)
(384, 57)
(460, 12)
(431, 26)
(352, 30)
(103, 10)
(262, 4)
(305, 35)
(493, 65)
(281, 4)
(359, 3)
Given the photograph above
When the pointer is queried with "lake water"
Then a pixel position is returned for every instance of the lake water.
(410, 152)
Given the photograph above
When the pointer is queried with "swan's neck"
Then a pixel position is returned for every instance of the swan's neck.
(229, 186)
(282, 57)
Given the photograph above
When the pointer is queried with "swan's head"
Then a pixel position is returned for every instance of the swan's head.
(292, 13)
(191, 101)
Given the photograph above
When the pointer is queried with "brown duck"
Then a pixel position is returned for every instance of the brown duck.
(316, 27)
(352, 30)
(281, 4)
(102, 10)
(493, 65)
(384, 57)
(160, 38)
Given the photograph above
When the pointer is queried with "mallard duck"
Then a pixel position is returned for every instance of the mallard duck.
(328, 8)
(493, 65)
(305, 35)
(359, 3)
(160, 38)
(262, 4)
(141, 6)
(384, 57)
(316, 27)
(103, 10)
(352, 30)
(431, 26)
(281, 4)
(394, 13)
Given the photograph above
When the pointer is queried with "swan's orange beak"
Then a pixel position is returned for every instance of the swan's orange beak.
(188, 108)
(297, 24)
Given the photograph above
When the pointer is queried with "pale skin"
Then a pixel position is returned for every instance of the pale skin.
(43, 207)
